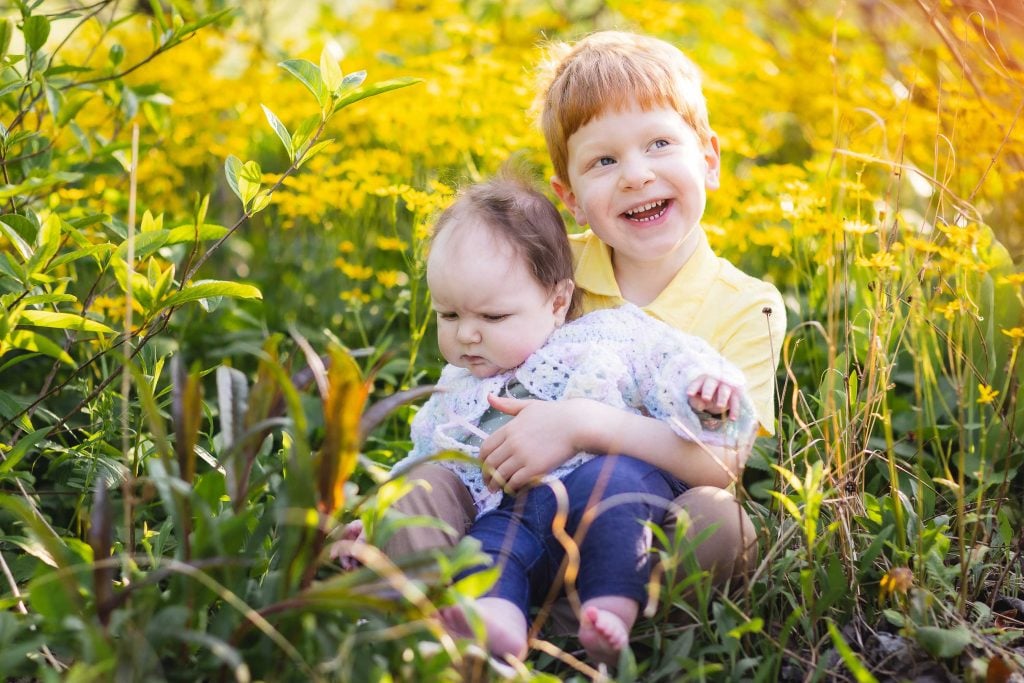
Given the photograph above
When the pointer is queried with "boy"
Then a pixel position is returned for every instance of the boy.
(626, 126)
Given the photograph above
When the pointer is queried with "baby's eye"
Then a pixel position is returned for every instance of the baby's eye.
(604, 161)
(445, 315)
(495, 317)
(658, 144)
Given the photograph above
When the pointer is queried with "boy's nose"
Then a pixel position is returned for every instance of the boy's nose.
(635, 174)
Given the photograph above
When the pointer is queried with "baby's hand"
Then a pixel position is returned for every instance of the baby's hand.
(339, 551)
(712, 395)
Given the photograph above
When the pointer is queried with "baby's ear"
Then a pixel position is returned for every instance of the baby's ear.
(562, 299)
(568, 197)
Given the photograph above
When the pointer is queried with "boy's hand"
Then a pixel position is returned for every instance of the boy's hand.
(541, 437)
(711, 395)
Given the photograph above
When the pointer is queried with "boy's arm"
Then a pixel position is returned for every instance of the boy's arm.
(547, 433)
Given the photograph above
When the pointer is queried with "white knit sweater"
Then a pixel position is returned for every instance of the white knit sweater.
(618, 356)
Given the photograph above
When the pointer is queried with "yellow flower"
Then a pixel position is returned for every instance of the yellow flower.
(391, 244)
(355, 296)
(1015, 279)
(952, 309)
(1015, 333)
(882, 260)
(986, 394)
(857, 227)
(392, 278)
(896, 580)
(353, 271)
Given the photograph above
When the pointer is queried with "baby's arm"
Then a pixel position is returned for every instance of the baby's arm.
(547, 433)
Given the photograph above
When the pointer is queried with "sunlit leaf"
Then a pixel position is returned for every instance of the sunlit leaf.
(206, 288)
(330, 69)
(343, 409)
(373, 90)
(232, 169)
(280, 130)
(63, 321)
(308, 74)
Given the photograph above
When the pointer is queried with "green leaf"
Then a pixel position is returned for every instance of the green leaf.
(312, 152)
(479, 583)
(232, 169)
(72, 105)
(373, 90)
(260, 202)
(47, 244)
(63, 321)
(13, 269)
(279, 128)
(330, 69)
(353, 80)
(151, 223)
(305, 130)
(7, 229)
(853, 663)
(100, 251)
(188, 233)
(38, 185)
(22, 448)
(116, 54)
(943, 643)
(755, 625)
(308, 74)
(207, 288)
(33, 341)
(249, 181)
(47, 299)
(36, 29)
(6, 31)
(146, 243)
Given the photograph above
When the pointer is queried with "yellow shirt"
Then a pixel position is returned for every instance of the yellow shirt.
(709, 297)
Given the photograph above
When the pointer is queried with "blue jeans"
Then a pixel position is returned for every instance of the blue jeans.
(614, 550)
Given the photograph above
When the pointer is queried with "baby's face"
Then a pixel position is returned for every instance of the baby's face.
(491, 312)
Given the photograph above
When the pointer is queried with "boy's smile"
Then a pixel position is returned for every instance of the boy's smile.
(639, 179)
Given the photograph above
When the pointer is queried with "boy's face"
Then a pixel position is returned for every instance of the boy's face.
(491, 312)
(639, 179)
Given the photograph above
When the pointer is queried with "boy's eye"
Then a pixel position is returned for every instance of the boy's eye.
(605, 161)
(444, 315)
(658, 144)
(495, 318)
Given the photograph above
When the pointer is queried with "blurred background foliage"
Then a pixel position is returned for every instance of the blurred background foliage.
(872, 153)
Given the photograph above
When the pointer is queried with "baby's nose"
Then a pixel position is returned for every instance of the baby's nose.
(467, 333)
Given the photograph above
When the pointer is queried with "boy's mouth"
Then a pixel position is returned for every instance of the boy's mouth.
(647, 212)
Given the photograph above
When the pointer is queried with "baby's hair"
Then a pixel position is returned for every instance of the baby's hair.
(519, 214)
(608, 71)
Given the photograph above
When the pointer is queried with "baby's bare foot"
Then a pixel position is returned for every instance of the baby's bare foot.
(341, 551)
(455, 622)
(603, 634)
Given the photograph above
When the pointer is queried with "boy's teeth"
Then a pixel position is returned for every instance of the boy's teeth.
(647, 211)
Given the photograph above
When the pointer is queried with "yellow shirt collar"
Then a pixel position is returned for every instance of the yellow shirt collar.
(595, 274)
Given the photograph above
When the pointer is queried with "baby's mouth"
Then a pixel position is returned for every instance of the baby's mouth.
(647, 212)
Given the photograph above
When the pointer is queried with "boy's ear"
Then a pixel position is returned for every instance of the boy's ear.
(562, 299)
(713, 161)
(568, 197)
